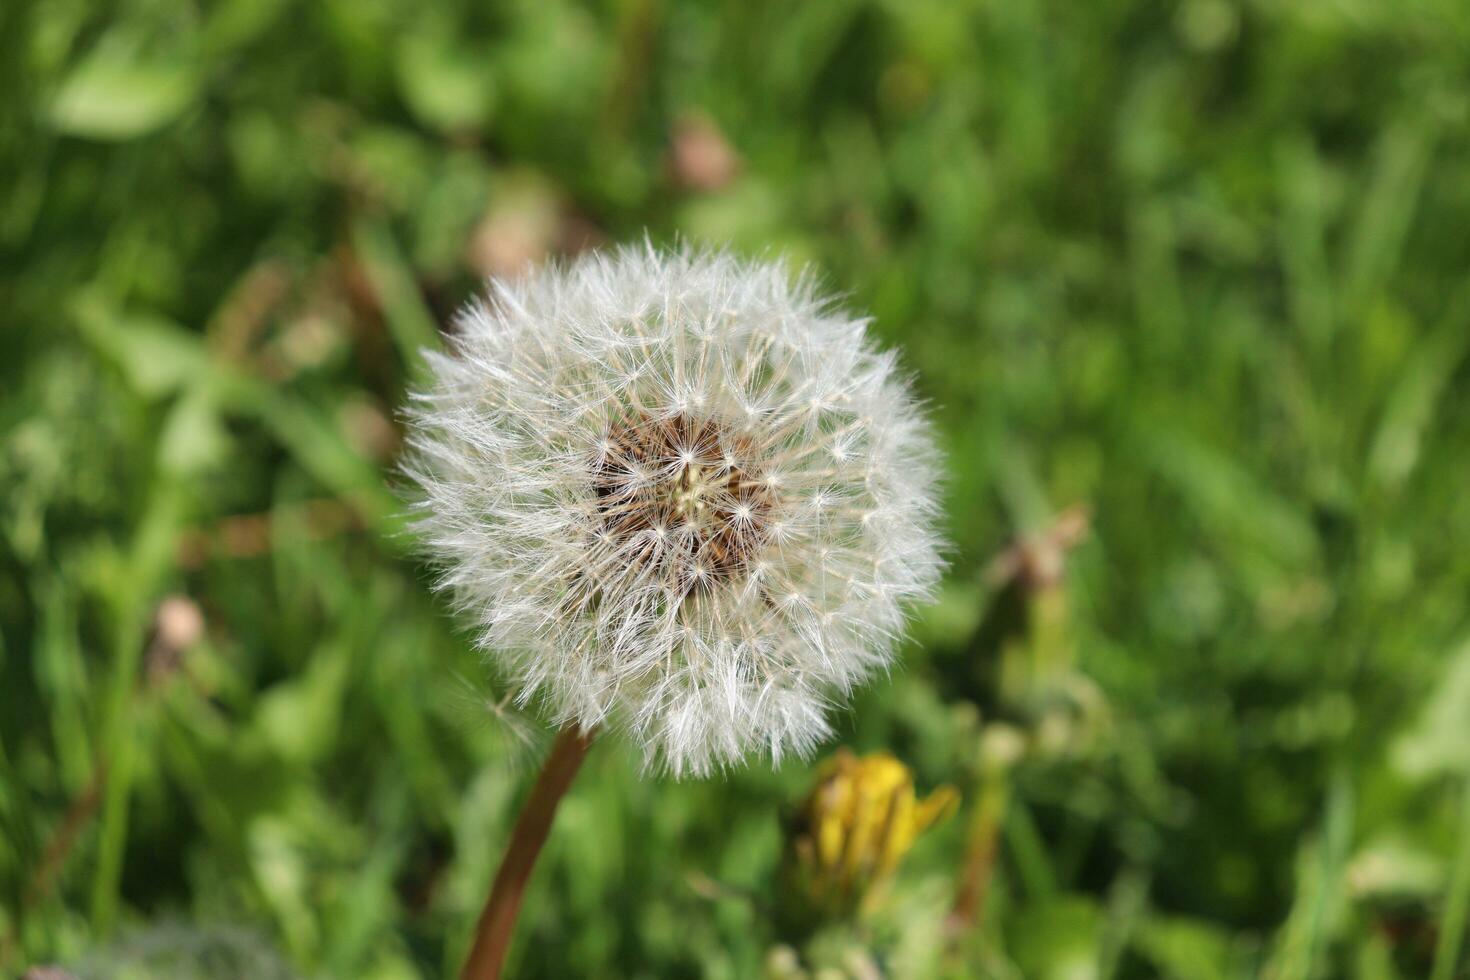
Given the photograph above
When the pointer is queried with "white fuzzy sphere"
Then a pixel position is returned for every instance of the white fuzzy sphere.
(680, 494)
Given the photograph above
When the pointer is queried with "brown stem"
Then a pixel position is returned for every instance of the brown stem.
(78, 814)
(497, 921)
(981, 851)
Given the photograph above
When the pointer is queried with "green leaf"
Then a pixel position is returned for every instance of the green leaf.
(409, 321)
(299, 717)
(446, 88)
(1436, 745)
(156, 355)
(193, 438)
(114, 95)
(1186, 949)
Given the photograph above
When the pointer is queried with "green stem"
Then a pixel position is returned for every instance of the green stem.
(1457, 908)
(150, 556)
(117, 751)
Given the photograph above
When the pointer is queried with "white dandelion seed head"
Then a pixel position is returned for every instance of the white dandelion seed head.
(679, 494)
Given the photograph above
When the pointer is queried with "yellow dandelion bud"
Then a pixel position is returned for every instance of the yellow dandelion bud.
(855, 827)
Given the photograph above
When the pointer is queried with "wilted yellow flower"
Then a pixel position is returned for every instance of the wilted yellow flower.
(861, 818)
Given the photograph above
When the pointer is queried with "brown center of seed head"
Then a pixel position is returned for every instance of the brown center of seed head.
(686, 492)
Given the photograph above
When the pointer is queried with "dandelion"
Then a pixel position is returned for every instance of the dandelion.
(679, 495)
(859, 821)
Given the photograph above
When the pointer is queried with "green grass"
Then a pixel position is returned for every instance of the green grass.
(1200, 267)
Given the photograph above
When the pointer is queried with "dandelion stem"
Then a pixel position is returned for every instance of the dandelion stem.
(497, 921)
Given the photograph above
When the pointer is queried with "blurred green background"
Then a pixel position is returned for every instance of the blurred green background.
(1185, 283)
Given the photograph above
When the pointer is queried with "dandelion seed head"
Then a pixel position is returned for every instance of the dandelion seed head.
(679, 494)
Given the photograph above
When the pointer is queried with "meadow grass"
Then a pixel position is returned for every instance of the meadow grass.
(1190, 275)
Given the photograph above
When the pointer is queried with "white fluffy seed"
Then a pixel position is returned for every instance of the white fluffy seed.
(650, 479)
